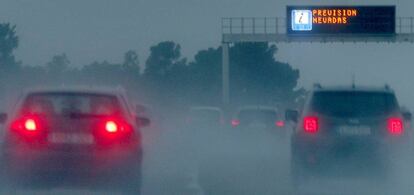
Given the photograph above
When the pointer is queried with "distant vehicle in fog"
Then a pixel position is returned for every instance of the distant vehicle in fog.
(346, 130)
(91, 135)
(205, 116)
(257, 118)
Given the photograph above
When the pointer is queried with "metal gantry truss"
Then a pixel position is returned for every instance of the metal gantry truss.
(273, 29)
(265, 29)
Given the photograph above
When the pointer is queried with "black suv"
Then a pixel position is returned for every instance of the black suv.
(346, 128)
(88, 135)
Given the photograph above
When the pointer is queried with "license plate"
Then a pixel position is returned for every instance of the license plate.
(357, 130)
(71, 138)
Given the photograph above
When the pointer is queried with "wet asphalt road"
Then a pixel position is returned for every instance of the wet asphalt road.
(226, 163)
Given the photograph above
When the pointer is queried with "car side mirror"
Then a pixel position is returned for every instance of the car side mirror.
(407, 116)
(143, 122)
(292, 115)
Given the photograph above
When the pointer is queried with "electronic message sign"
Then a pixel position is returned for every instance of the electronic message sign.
(322, 20)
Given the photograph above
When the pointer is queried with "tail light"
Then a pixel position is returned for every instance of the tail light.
(113, 130)
(27, 124)
(280, 123)
(111, 127)
(30, 125)
(115, 126)
(395, 126)
(235, 122)
(311, 124)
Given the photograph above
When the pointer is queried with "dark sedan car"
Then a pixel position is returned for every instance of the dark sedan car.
(88, 135)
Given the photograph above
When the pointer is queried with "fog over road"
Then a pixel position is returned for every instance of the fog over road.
(232, 163)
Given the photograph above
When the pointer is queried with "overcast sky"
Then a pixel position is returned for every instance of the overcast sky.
(88, 30)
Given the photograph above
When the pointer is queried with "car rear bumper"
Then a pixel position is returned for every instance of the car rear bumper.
(331, 152)
(88, 161)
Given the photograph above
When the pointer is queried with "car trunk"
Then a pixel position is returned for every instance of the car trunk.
(72, 132)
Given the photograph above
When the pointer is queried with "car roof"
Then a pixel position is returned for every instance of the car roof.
(86, 90)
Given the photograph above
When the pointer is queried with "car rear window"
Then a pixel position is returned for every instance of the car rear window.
(69, 103)
(354, 103)
(257, 115)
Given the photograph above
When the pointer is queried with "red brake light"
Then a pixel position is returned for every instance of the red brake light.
(111, 127)
(280, 123)
(395, 126)
(311, 124)
(114, 126)
(235, 122)
(31, 124)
